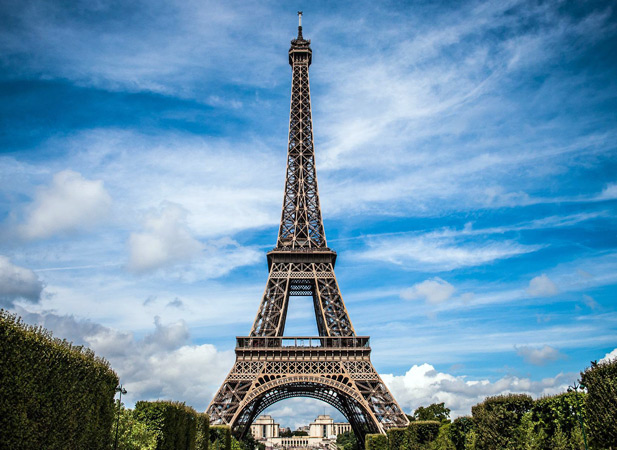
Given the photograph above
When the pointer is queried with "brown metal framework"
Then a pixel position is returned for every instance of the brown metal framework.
(335, 366)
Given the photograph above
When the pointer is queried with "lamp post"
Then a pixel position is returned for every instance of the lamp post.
(577, 410)
(122, 391)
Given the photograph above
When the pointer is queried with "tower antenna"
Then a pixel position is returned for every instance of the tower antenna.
(299, 18)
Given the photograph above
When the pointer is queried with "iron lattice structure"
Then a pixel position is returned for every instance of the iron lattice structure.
(335, 366)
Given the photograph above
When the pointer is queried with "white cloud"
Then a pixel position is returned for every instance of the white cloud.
(423, 385)
(165, 241)
(539, 356)
(610, 356)
(69, 204)
(542, 286)
(434, 290)
(18, 283)
(609, 192)
(161, 365)
(436, 252)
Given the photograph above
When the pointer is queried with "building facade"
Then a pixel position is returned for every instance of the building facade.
(322, 433)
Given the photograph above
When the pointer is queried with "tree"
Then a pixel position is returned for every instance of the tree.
(436, 411)
(132, 433)
(347, 441)
(601, 402)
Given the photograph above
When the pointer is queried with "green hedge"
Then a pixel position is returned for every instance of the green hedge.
(422, 432)
(376, 442)
(175, 422)
(558, 412)
(203, 432)
(496, 420)
(460, 429)
(397, 439)
(53, 395)
(220, 437)
(601, 402)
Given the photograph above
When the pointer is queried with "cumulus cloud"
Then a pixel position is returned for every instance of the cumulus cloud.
(434, 290)
(542, 286)
(18, 283)
(610, 356)
(539, 356)
(70, 203)
(165, 241)
(161, 364)
(423, 385)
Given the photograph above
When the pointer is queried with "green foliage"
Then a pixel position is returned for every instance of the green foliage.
(460, 429)
(376, 442)
(347, 441)
(174, 422)
(422, 432)
(249, 443)
(202, 438)
(526, 436)
(53, 395)
(443, 440)
(236, 444)
(299, 433)
(601, 403)
(497, 418)
(220, 437)
(132, 433)
(558, 411)
(470, 440)
(436, 411)
(397, 439)
(560, 440)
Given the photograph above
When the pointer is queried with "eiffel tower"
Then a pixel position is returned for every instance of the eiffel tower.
(335, 366)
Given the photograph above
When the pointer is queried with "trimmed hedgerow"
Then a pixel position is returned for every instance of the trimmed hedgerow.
(376, 442)
(53, 394)
(421, 432)
(601, 402)
(203, 432)
(397, 439)
(496, 420)
(460, 429)
(220, 437)
(175, 423)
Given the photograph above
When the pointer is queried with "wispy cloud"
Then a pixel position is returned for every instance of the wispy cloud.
(539, 356)
(432, 253)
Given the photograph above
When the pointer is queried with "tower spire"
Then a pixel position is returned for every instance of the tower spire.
(301, 223)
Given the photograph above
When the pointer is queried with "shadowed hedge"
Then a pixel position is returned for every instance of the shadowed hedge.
(175, 423)
(376, 442)
(53, 395)
(220, 437)
(601, 402)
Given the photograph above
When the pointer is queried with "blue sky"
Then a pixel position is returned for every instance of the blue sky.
(467, 171)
